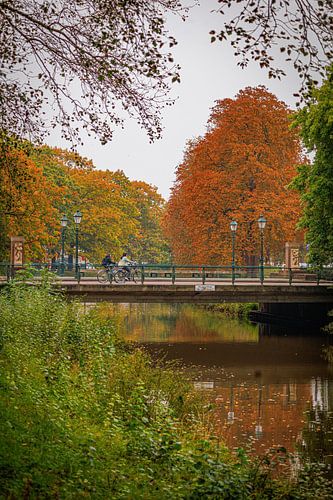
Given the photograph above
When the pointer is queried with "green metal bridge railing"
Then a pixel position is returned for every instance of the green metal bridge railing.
(173, 273)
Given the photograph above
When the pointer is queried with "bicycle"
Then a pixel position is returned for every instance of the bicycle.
(107, 274)
(122, 275)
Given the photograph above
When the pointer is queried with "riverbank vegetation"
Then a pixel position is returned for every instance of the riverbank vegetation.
(232, 310)
(82, 414)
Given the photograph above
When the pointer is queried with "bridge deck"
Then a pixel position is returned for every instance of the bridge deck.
(185, 292)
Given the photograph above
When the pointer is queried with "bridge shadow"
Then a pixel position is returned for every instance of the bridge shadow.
(303, 316)
(291, 329)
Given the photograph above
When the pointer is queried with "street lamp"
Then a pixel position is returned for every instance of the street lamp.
(233, 227)
(63, 222)
(262, 223)
(77, 220)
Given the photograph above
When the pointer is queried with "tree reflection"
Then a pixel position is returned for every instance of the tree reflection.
(316, 443)
(177, 323)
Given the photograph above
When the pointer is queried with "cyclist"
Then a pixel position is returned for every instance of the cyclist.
(107, 261)
(124, 263)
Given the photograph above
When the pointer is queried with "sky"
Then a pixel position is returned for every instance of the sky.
(208, 72)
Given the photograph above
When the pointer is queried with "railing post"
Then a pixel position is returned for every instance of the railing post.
(290, 275)
(173, 275)
(203, 276)
(142, 274)
(261, 273)
(318, 276)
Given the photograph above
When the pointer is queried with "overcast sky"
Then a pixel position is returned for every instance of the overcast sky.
(208, 72)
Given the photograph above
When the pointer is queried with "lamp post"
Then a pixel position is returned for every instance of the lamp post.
(77, 220)
(63, 223)
(233, 227)
(262, 223)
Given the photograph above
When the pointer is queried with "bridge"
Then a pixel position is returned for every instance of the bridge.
(198, 293)
(288, 293)
(191, 283)
(278, 303)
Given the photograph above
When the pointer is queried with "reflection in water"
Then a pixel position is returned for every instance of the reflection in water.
(176, 324)
(272, 388)
(317, 437)
(273, 414)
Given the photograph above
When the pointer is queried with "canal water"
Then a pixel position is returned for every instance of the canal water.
(271, 386)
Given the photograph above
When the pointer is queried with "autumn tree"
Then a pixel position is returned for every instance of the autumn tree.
(84, 61)
(315, 180)
(301, 30)
(118, 214)
(40, 184)
(90, 61)
(57, 165)
(149, 244)
(240, 169)
(103, 197)
(27, 203)
(109, 212)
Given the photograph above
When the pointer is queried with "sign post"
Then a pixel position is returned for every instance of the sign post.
(292, 255)
(16, 254)
(204, 288)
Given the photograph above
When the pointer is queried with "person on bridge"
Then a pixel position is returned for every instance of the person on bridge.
(125, 262)
(107, 261)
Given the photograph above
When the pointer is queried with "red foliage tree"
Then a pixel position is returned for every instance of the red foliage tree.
(240, 169)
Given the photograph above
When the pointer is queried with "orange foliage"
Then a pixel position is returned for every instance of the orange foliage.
(25, 207)
(109, 213)
(240, 169)
(118, 214)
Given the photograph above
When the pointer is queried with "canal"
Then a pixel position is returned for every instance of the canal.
(269, 385)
